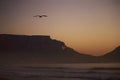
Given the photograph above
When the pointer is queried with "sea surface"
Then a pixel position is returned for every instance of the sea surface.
(82, 71)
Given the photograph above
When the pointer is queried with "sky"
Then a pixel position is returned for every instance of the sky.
(88, 26)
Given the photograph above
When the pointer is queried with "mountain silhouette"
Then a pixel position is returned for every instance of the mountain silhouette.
(115, 52)
(43, 49)
(113, 56)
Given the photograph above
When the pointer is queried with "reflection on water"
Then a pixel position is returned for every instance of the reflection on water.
(88, 71)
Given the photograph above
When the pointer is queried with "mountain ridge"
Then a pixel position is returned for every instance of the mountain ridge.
(43, 49)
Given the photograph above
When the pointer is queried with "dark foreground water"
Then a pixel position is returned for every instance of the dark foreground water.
(99, 71)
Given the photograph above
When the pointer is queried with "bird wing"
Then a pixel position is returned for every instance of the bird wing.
(40, 16)
(36, 16)
(44, 15)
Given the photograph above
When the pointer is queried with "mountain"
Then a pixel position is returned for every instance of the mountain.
(115, 52)
(113, 56)
(22, 49)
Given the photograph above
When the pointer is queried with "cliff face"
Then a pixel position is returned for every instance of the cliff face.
(43, 49)
(40, 49)
(29, 43)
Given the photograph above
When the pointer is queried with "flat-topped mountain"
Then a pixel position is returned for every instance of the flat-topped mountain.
(43, 49)
(29, 43)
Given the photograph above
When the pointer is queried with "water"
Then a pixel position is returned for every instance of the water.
(82, 71)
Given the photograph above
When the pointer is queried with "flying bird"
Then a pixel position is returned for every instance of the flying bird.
(40, 16)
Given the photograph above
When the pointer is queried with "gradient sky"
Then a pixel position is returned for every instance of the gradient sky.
(88, 26)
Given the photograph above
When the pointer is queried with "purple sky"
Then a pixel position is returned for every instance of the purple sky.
(88, 26)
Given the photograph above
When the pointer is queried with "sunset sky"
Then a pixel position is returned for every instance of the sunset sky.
(88, 26)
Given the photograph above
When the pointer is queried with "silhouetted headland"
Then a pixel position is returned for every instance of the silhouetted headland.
(43, 49)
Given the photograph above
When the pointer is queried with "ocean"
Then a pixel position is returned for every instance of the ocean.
(81, 71)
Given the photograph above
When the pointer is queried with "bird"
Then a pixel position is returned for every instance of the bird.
(40, 16)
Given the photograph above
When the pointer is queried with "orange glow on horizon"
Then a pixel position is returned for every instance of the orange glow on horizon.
(88, 26)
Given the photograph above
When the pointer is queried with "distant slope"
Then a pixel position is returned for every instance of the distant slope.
(42, 49)
(115, 52)
(113, 56)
